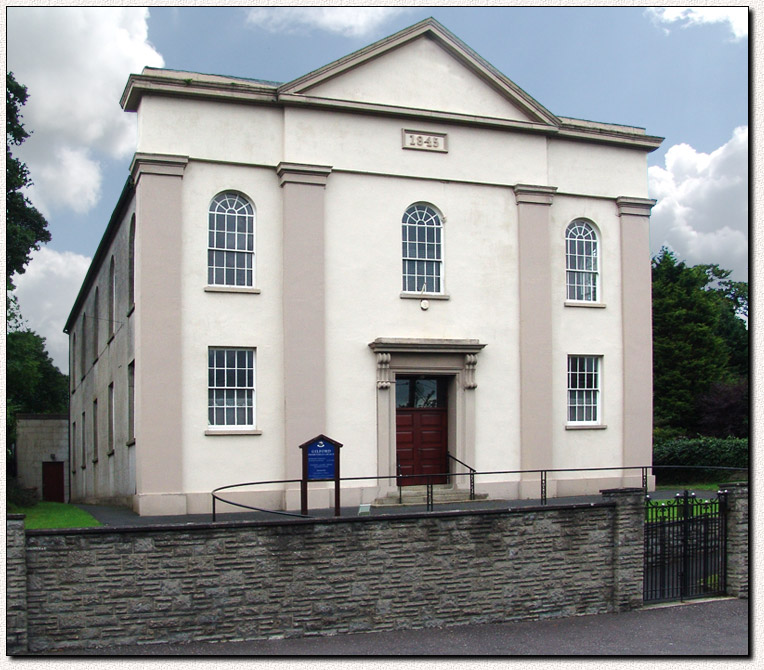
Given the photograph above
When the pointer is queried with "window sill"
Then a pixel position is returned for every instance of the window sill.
(111, 339)
(110, 453)
(131, 310)
(583, 303)
(586, 426)
(231, 289)
(82, 467)
(242, 431)
(130, 443)
(425, 296)
(95, 460)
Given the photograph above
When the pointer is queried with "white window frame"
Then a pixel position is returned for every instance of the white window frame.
(231, 388)
(227, 210)
(419, 252)
(584, 390)
(582, 262)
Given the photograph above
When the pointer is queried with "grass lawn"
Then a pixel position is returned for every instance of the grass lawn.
(54, 515)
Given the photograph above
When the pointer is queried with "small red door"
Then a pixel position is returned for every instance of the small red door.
(53, 481)
(421, 429)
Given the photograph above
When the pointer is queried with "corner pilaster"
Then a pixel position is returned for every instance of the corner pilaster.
(158, 180)
(636, 309)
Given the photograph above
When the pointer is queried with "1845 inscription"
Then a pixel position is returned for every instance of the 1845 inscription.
(415, 139)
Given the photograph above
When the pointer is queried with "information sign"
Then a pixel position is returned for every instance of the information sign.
(320, 463)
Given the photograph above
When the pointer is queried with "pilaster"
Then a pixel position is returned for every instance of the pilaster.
(158, 332)
(536, 352)
(303, 192)
(636, 309)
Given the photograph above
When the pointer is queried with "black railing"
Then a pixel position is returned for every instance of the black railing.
(472, 472)
(542, 474)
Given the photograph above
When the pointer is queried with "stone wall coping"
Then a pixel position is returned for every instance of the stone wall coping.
(15, 517)
(230, 525)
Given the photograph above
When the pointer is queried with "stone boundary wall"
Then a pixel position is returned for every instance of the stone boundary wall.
(254, 580)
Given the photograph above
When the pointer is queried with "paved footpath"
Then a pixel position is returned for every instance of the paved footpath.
(709, 628)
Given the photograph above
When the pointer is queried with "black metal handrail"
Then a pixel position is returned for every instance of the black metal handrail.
(543, 474)
(472, 472)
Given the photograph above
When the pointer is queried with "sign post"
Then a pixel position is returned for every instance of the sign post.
(320, 463)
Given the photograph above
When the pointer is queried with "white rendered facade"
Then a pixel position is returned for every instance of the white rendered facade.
(330, 163)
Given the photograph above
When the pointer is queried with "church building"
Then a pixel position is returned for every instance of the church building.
(401, 250)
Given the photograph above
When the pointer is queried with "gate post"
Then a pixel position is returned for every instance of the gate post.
(737, 539)
(628, 546)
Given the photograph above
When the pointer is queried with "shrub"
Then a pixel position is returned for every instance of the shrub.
(709, 453)
(18, 496)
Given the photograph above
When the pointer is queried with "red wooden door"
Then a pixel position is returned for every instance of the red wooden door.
(421, 420)
(422, 444)
(53, 481)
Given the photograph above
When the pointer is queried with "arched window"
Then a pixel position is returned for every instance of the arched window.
(112, 296)
(231, 241)
(582, 262)
(131, 263)
(422, 236)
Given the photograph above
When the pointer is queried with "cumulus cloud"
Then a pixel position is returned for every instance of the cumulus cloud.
(75, 62)
(346, 21)
(736, 18)
(702, 209)
(46, 293)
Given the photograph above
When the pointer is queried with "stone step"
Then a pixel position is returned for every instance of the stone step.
(417, 495)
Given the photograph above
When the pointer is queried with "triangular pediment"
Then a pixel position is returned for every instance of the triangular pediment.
(423, 67)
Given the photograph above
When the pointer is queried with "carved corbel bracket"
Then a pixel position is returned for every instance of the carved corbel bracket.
(470, 362)
(384, 378)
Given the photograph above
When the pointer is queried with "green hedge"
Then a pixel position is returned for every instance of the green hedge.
(710, 452)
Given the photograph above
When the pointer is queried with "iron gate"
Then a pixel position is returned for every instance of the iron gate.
(685, 547)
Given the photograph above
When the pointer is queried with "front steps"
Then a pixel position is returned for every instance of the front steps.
(417, 495)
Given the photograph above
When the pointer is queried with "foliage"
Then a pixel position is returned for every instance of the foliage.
(708, 452)
(54, 515)
(33, 382)
(18, 496)
(26, 228)
(700, 349)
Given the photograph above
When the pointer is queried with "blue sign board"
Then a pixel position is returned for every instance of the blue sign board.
(320, 460)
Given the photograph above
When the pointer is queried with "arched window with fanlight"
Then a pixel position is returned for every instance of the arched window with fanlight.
(582, 262)
(422, 241)
(231, 241)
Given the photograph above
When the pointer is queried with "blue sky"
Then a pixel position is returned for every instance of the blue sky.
(681, 74)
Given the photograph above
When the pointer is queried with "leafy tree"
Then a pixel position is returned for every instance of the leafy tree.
(33, 383)
(700, 349)
(26, 228)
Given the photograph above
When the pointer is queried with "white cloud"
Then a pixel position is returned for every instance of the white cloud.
(346, 21)
(702, 209)
(46, 293)
(735, 17)
(75, 62)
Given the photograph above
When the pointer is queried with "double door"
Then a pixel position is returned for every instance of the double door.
(421, 419)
